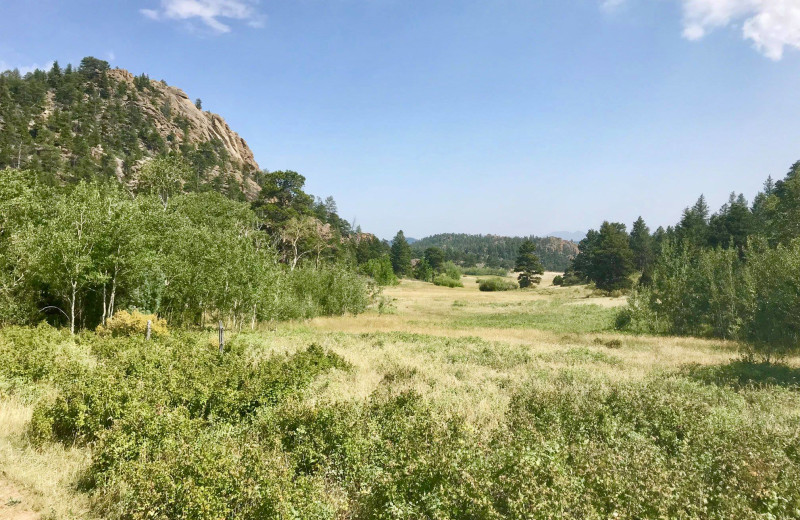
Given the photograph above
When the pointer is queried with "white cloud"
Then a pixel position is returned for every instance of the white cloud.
(25, 69)
(772, 25)
(207, 11)
(610, 5)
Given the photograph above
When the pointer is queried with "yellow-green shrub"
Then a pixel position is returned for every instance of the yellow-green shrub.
(124, 323)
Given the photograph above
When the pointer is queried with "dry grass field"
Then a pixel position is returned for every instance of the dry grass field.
(466, 352)
(470, 350)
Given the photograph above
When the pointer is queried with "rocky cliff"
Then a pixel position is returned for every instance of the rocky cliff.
(96, 121)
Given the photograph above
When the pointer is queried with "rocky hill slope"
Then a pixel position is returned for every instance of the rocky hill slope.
(71, 123)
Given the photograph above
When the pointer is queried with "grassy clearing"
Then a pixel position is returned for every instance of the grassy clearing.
(531, 403)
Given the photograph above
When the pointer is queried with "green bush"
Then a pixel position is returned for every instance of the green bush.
(380, 270)
(451, 270)
(484, 271)
(558, 280)
(446, 281)
(136, 377)
(323, 291)
(179, 431)
(124, 323)
(571, 278)
(497, 284)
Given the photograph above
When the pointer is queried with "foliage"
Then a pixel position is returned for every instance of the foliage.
(423, 271)
(716, 292)
(81, 252)
(451, 270)
(484, 271)
(164, 176)
(401, 255)
(496, 284)
(179, 431)
(528, 265)
(558, 280)
(380, 270)
(496, 252)
(605, 257)
(435, 258)
(92, 124)
(446, 281)
(641, 244)
(124, 323)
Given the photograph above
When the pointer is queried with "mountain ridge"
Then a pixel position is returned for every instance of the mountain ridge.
(96, 120)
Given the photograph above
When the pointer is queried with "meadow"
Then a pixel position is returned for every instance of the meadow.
(436, 403)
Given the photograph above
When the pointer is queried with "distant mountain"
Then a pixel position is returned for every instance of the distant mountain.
(575, 236)
(411, 240)
(498, 251)
(95, 121)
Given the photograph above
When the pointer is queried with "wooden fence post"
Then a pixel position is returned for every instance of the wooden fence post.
(149, 329)
(221, 337)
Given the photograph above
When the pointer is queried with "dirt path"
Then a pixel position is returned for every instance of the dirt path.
(13, 504)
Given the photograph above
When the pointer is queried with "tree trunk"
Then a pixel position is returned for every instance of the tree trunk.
(72, 308)
(112, 297)
(103, 321)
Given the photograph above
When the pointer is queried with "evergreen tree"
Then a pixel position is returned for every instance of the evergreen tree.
(693, 227)
(582, 265)
(423, 271)
(606, 257)
(732, 225)
(434, 257)
(788, 205)
(401, 255)
(641, 244)
(765, 212)
(528, 265)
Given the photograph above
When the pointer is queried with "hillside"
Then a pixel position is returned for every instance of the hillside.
(95, 121)
(498, 251)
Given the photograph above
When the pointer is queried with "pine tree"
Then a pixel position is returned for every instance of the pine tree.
(693, 227)
(612, 259)
(641, 244)
(732, 224)
(401, 255)
(528, 265)
(435, 258)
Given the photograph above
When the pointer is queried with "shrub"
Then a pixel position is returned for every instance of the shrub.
(484, 271)
(179, 431)
(572, 278)
(446, 281)
(124, 323)
(451, 270)
(380, 270)
(558, 280)
(497, 284)
(324, 291)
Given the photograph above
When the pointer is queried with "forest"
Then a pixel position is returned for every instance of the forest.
(497, 251)
(731, 274)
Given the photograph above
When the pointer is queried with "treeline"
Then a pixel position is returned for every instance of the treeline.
(733, 274)
(496, 251)
(75, 254)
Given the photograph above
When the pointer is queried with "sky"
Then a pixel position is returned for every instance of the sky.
(510, 117)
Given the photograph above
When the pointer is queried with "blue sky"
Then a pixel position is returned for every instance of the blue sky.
(479, 116)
